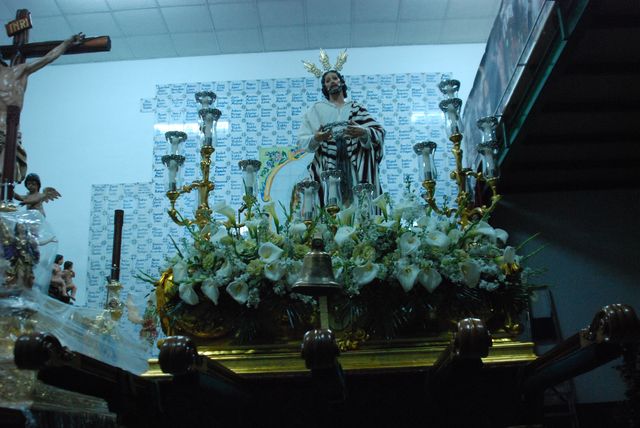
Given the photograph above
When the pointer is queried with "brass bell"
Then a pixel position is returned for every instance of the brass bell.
(316, 278)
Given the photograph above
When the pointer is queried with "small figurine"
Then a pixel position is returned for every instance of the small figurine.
(58, 286)
(20, 249)
(68, 274)
(34, 199)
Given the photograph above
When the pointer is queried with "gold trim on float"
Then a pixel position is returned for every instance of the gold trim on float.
(390, 355)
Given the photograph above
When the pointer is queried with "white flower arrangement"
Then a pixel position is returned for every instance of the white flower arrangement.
(404, 263)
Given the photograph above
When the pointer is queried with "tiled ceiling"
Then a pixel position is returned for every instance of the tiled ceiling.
(143, 29)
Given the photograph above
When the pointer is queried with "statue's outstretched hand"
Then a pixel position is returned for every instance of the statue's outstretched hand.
(77, 39)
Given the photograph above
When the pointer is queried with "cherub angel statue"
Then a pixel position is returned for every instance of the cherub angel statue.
(34, 199)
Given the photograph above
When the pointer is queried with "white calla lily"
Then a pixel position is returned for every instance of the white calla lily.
(485, 229)
(210, 289)
(363, 275)
(423, 221)
(188, 294)
(216, 237)
(408, 243)
(225, 270)
(398, 209)
(344, 234)
(388, 224)
(437, 239)
(381, 202)
(269, 252)
(239, 291)
(346, 216)
(509, 255)
(274, 271)
(406, 274)
(224, 209)
(297, 229)
(270, 207)
(470, 273)
(180, 271)
(430, 279)
(502, 236)
(338, 267)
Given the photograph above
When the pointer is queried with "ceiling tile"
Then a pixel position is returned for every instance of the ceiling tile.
(140, 22)
(49, 28)
(459, 9)
(284, 38)
(119, 49)
(209, 27)
(475, 30)
(373, 34)
(375, 10)
(329, 36)
(234, 16)
(187, 19)
(82, 6)
(328, 12)
(131, 4)
(419, 32)
(422, 10)
(195, 44)
(94, 24)
(36, 7)
(281, 13)
(240, 41)
(154, 46)
(163, 3)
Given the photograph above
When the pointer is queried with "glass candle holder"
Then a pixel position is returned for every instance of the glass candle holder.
(209, 125)
(205, 98)
(488, 127)
(331, 186)
(362, 193)
(209, 117)
(174, 160)
(449, 87)
(249, 168)
(451, 109)
(309, 191)
(426, 163)
(489, 153)
(174, 140)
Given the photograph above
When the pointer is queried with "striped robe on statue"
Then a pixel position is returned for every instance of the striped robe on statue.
(358, 159)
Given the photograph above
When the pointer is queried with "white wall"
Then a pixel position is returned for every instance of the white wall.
(81, 123)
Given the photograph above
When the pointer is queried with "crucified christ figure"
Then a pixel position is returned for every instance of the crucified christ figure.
(13, 84)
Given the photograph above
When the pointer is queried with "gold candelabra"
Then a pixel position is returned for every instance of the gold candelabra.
(466, 210)
(174, 160)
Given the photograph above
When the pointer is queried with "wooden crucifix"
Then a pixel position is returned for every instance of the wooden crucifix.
(13, 84)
